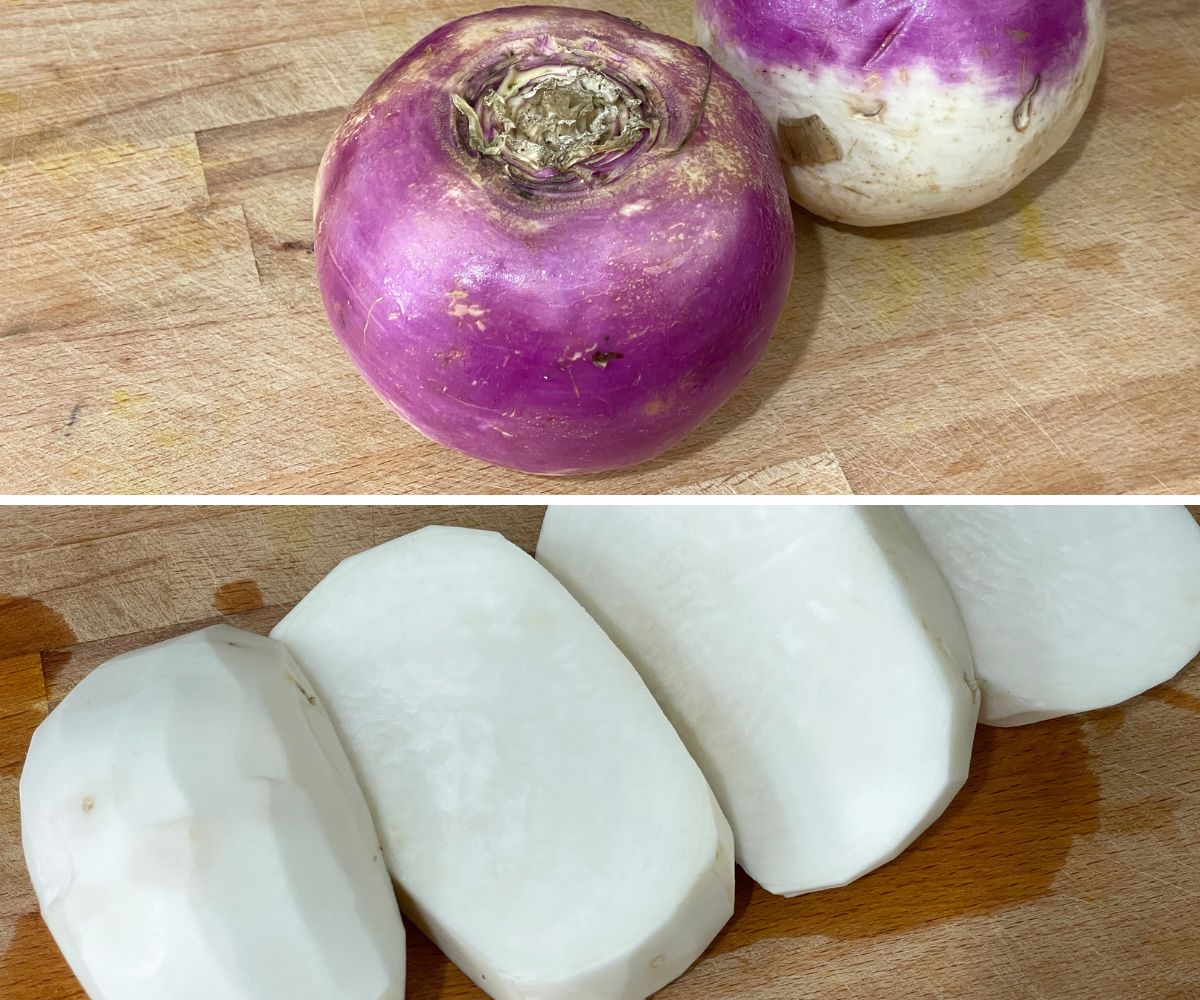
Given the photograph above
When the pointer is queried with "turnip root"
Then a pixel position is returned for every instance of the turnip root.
(545, 824)
(811, 658)
(193, 831)
(553, 239)
(889, 111)
(1069, 608)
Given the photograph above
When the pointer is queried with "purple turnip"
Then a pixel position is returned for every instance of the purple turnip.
(891, 111)
(553, 239)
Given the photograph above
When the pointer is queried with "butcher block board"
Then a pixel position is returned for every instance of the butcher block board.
(161, 331)
(1069, 866)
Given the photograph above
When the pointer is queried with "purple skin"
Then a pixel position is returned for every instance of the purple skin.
(1006, 42)
(553, 329)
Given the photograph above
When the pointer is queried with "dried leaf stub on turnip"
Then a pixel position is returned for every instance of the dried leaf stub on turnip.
(543, 821)
(193, 830)
(553, 239)
(923, 110)
(1069, 608)
(811, 658)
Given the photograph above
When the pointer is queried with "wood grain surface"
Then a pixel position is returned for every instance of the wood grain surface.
(1069, 866)
(160, 329)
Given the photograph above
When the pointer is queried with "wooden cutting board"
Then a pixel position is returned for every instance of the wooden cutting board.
(1069, 867)
(160, 329)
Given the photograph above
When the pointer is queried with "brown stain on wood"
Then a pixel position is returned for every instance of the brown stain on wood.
(24, 703)
(32, 968)
(35, 642)
(28, 625)
(237, 598)
(1105, 721)
(1001, 842)
(1176, 698)
(431, 975)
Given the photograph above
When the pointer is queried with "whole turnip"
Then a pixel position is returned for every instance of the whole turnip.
(891, 111)
(553, 239)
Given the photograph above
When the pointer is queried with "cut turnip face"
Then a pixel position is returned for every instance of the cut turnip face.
(811, 658)
(1069, 608)
(888, 111)
(544, 822)
(193, 830)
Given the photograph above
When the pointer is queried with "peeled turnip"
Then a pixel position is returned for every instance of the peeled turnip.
(545, 824)
(891, 111)
(552, 239)
(1069, 608)
(811, 658)
(193, 831)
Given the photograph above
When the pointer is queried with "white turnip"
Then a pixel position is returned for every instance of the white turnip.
(890, 111)
(1069, 608)
(811, 658)
(193, 831)
(544, 823)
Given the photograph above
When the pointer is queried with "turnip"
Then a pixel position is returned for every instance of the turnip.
(193, 831)
(1069, 608)
(811, 658)
(543, 821)
(891, 111)
(553, 239)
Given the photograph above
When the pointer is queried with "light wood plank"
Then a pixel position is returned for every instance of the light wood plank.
(101, 188)
(107, 282)
(814, 476)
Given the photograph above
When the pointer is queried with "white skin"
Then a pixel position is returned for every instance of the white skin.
(912, 146)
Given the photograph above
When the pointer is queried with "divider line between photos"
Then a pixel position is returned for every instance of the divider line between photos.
(507, 500)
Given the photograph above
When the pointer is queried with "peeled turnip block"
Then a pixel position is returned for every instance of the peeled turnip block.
(545, 824)
(193, 831)
(1069, 608)
(889, 111)
(811, 658)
